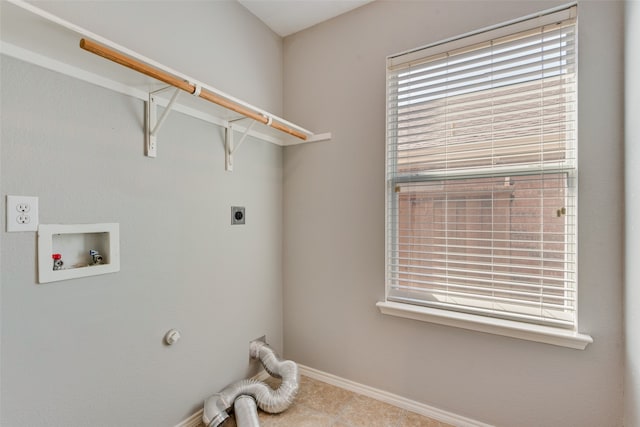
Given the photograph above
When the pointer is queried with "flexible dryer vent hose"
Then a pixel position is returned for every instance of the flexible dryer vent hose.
(273, 401)
(246, 412)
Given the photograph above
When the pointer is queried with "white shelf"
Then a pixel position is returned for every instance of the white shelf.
(41, 38)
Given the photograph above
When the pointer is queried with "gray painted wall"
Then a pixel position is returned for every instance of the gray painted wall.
(334, 233)
(632, 199)
(89, 351)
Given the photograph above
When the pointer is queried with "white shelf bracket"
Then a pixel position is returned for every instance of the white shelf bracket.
(153, 123)
(229, 147)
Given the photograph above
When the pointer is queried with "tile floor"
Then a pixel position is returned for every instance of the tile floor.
(322, 405)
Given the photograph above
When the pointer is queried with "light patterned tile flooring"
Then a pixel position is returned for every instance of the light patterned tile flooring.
(322, 405)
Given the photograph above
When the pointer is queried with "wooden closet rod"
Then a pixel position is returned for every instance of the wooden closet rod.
(165, 77)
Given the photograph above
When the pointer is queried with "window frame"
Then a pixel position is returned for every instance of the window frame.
(567, 337)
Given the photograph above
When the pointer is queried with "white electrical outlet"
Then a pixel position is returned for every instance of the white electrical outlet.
(22, 213)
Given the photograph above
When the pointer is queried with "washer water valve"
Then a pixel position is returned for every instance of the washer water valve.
(57, 261)
(96, 258)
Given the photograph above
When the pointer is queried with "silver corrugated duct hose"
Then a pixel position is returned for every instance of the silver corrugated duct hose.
(269, 400)
(246, 411)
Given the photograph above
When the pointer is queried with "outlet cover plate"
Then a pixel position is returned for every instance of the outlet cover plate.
(22, 213)
(237, 215)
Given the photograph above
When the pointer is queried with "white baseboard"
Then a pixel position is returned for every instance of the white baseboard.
(193, 421)
(374, 393)
(392, 399)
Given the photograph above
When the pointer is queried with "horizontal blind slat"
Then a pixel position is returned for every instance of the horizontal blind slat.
(495, 295)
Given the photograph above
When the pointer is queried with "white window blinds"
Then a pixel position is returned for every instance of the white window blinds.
(481, 173)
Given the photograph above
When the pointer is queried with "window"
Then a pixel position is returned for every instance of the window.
(482, 173)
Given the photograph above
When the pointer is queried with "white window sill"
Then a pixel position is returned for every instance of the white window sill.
(508, 328)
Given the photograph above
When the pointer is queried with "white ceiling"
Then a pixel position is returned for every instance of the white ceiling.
(286, 17)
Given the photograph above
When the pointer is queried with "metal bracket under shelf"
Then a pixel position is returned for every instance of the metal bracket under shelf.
(153, 123)
(229, 146)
